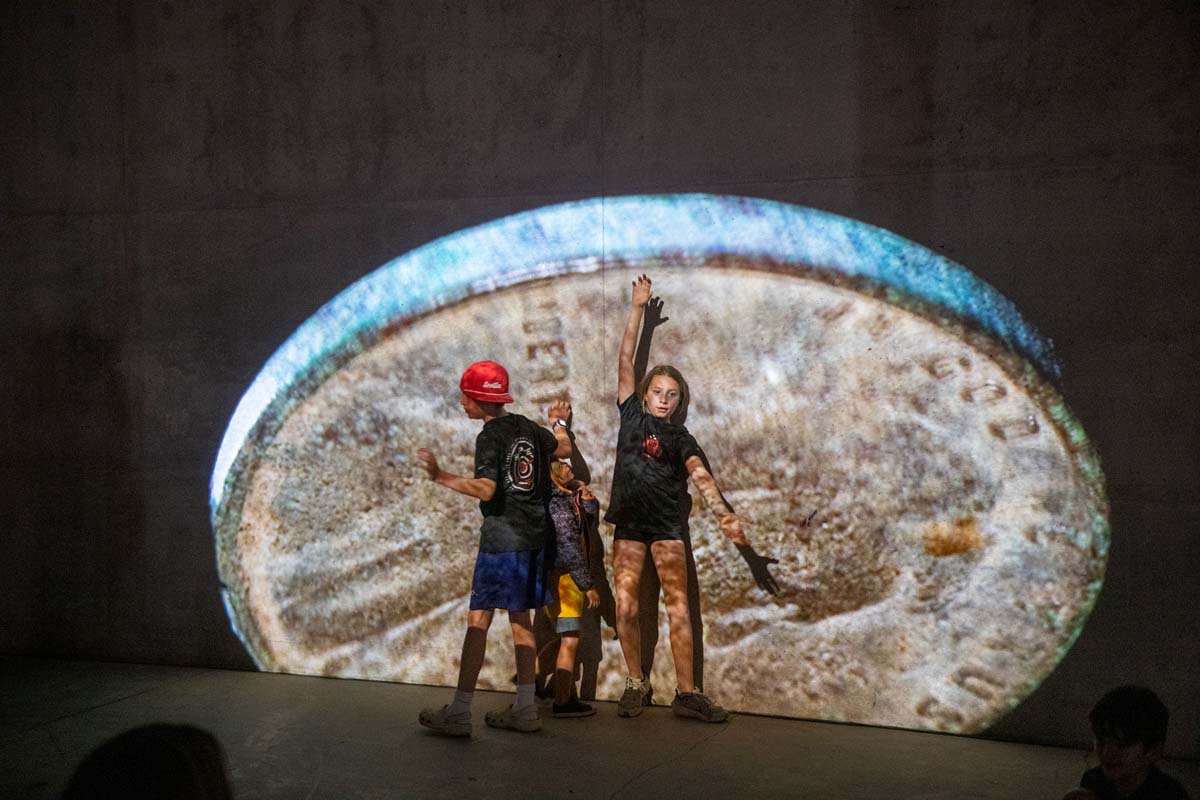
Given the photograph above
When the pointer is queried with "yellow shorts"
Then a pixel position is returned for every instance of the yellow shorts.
(570, 604)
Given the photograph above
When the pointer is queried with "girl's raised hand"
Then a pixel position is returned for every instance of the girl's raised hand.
(641, 291)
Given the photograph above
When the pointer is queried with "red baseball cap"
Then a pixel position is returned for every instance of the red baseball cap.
(486, 381)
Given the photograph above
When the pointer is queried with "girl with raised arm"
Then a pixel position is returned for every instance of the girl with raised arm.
(649, 507)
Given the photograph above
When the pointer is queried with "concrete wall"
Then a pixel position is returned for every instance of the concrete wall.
(182, 184)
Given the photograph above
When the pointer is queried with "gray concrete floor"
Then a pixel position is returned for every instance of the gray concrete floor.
(296, 737)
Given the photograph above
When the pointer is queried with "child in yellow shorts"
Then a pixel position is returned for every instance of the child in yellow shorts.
(572, 510)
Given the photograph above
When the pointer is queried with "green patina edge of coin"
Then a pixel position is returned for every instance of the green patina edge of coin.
(371, 309)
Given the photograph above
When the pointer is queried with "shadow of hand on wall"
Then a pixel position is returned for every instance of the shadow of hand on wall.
(759, 568)
(652, 319)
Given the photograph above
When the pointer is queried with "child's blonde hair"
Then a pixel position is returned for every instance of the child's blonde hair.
(558, 470)
(685, 395)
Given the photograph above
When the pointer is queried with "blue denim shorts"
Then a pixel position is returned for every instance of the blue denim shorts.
(515, 581)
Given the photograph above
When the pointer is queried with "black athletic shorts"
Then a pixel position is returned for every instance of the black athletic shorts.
(632, 535)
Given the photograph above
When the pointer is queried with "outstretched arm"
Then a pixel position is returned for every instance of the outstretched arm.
(479, 488)
(625, 379)
(731, 523)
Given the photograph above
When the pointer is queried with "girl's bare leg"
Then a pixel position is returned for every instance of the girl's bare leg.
(523, 646)
(628, 557)
(474, 647)
(564, 672)
(670, 559)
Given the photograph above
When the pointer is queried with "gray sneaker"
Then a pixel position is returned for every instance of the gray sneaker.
(438, 720)
(697, 706)
(634, 698)
(510, 721)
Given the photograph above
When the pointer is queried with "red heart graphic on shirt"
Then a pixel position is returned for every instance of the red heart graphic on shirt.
(652, 447)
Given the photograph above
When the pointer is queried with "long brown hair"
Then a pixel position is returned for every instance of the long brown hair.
(685, 395)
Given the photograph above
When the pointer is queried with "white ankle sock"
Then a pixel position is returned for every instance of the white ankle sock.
(526, 705)
(461, 703)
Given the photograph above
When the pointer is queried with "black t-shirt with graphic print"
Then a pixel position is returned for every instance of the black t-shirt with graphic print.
(515, 453)
(649, 486)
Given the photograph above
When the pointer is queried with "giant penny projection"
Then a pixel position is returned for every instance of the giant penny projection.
(885, 421)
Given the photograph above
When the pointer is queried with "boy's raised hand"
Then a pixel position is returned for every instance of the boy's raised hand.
(429, 462)
(641, 291)
(559, 409)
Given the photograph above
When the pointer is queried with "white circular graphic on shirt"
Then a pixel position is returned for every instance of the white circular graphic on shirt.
(520, 466)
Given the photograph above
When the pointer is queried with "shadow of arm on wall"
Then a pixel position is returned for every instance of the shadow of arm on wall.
(641, 357)
(759, 568)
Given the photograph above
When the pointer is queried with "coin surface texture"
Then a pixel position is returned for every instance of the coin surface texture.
(938, 517)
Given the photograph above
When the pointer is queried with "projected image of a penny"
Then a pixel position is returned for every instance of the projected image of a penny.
(938, 516)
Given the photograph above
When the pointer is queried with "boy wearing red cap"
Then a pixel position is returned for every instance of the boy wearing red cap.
(512, 483)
